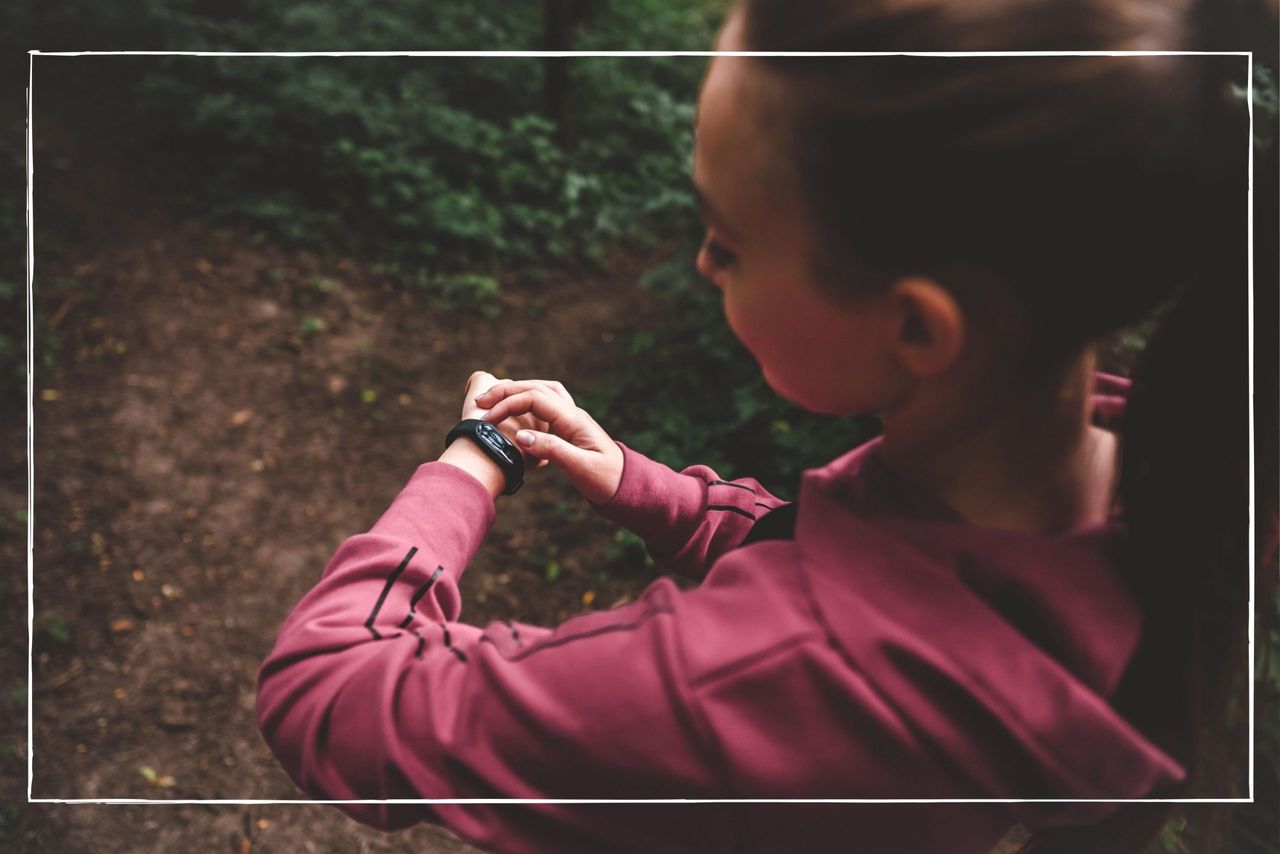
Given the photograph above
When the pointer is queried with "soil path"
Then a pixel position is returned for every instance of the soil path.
(216, 418)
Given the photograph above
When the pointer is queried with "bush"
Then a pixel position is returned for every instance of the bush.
(430, 165)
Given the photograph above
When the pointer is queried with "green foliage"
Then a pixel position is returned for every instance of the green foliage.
(689, 393)
(1266, 107)
(1170, 839)
(472, 291)
(57, 629)
(627, 548)
(311, 324)
(429, 164)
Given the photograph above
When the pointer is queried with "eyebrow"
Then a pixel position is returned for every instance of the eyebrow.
(708, 211)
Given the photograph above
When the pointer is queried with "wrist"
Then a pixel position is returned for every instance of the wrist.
(466, 455)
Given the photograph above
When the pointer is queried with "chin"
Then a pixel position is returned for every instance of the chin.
(813, 400)
(805, 400)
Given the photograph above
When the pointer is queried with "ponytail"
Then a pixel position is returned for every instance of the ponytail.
(1184, 491)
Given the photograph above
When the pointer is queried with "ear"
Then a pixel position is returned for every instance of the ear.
(928, 328)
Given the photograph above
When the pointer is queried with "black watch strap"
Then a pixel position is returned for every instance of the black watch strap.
(498, 447)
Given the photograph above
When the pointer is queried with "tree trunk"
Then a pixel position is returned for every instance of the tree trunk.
(557, 34)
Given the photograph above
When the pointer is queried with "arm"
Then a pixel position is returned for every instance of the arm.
(373, 692)
(687, 519)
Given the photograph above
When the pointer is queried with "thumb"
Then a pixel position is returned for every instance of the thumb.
(545, 446)
(593, 473)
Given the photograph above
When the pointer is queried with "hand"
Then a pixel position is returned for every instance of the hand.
(468, 456)
(480, 382)
(570, 438)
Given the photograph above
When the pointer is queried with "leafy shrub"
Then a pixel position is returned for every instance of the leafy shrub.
(431, 165)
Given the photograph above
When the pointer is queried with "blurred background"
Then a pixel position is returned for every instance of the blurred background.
(260, 284)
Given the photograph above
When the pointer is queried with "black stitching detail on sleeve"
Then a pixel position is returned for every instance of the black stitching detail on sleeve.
(459, 654)
(553, 642)
(417, 597)
(737, 510)
(386, 588)
(734, 485)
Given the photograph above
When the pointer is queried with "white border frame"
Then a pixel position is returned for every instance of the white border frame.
(31, 55)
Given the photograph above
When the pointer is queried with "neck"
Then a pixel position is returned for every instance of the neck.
(1012, 458)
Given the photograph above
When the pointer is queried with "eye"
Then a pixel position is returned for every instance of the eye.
(718, 254)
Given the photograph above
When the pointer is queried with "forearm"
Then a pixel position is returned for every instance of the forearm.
(467, 456)
(385, 597)
(688, 518)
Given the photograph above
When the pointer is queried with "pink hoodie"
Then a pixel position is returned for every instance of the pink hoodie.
(887, 649)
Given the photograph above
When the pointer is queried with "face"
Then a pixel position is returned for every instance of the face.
(826, 357)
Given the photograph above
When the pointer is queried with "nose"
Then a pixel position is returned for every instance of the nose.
(706, 267)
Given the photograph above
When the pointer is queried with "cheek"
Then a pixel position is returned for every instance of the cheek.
(731, 302)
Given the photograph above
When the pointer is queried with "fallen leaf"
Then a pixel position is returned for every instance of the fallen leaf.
(138, 575)
(241, 417)
(122, 625)
(203, 266)
(50, 394)
(257, 465)
(588, 597)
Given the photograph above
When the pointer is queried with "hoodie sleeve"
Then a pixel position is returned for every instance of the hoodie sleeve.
(687, 519)
(374, 691)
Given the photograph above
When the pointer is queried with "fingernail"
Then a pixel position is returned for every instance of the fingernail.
(525, 437)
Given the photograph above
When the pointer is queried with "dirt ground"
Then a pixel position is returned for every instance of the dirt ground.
(219, 414)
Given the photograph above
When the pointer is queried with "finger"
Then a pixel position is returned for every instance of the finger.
(505, 388)
(547, 447)
(561, 417)
(479, 380)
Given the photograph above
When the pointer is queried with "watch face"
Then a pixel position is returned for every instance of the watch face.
(489, 434)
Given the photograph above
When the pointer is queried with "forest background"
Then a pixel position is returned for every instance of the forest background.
(260, 283)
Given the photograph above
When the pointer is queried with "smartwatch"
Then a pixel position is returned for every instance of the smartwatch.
(497, 446)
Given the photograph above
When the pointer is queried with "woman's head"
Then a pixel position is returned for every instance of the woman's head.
(758, 249)
(878, 220)
(1026, 206)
